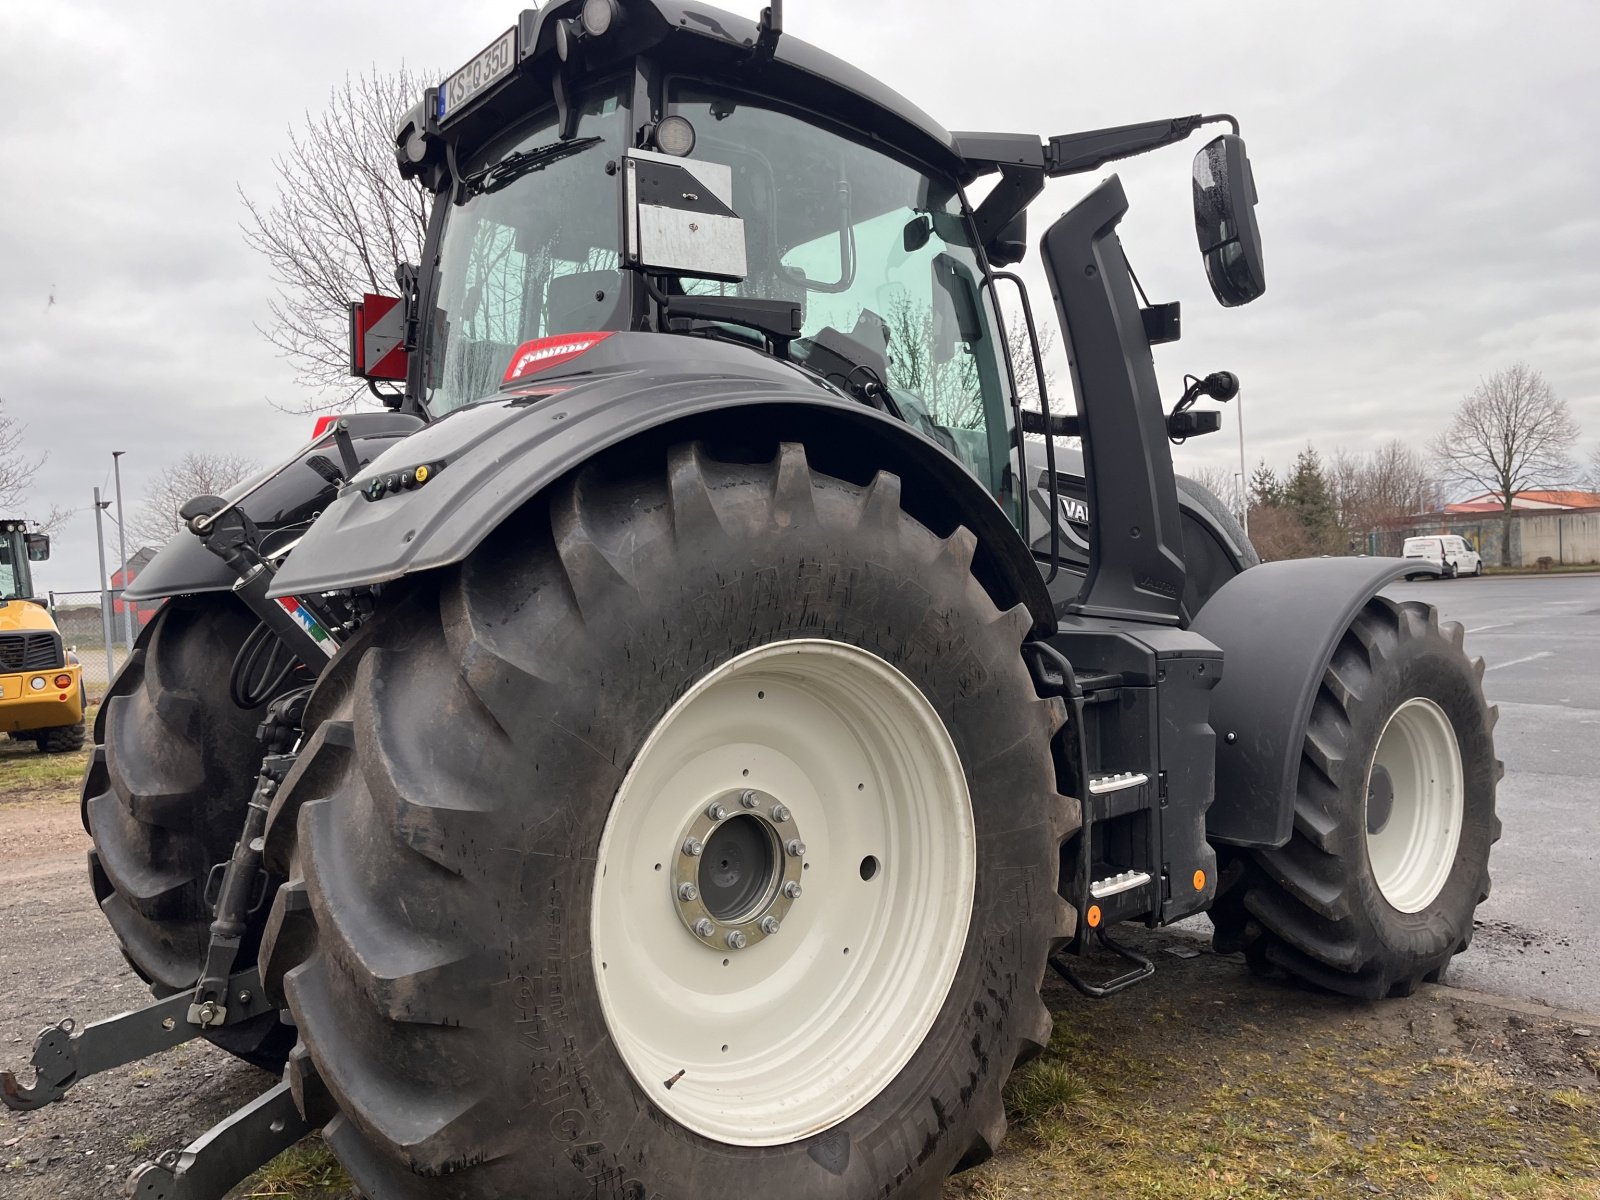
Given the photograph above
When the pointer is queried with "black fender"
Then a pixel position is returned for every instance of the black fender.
(485, 461)
(1277, 625)
(281, 507)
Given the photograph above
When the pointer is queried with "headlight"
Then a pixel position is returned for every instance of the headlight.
(37, 683)
(675, 135)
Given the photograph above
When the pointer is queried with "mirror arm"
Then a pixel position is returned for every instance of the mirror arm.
(1017, 188)
(1072, 153)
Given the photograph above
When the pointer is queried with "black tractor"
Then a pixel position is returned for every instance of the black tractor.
(662, 754)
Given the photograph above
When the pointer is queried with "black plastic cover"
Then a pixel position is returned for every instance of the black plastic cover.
(280, 509)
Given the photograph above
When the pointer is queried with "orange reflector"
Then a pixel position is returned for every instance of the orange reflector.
(63, 680)
(1094, 916)
(1199, 881)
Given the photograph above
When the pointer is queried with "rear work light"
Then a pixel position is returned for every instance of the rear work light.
(543, 353)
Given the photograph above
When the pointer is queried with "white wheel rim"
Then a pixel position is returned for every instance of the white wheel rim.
(802, 1028)
(1414, 847)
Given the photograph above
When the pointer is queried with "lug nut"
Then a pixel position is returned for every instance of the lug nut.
(780, 814)
(792, 890)
(703, 927)
(796, 848)
(769, 925)
(716, 812)
(692, 847)
(735, 940)
(688, 891)
(748, 799)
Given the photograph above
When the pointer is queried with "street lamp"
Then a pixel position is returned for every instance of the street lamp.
(122, 545)
(105, 601)
(1244, 480)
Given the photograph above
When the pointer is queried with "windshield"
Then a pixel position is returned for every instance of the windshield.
(16, 581)
(530, 251)
(873, 248)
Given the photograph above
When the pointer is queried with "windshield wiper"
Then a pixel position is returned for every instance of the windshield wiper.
(523, 162)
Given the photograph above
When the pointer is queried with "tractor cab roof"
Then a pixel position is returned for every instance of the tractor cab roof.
(549, 56)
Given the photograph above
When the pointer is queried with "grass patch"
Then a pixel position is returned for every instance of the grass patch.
(1268, 1092)
(305, 1171)
(1557, 569)
(26, 773)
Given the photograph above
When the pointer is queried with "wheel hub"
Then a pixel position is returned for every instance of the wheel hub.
(748, 1009)
(1415, 799)
(737, 869)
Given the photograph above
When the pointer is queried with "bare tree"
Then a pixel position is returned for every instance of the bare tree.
(192, 475)
(1221, 483)
(341, 222)
(1377, 490)
(1591, 475)
(1510, 434)
(17, 464)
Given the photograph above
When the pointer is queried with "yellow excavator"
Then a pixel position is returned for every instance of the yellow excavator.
(41, 684)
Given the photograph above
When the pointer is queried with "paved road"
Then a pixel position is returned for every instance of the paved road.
(1539, 933)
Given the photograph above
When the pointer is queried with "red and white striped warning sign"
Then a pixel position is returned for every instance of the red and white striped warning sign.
(377, 338)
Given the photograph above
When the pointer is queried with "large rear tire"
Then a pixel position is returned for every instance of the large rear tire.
(164, 796)
(487, 940)
(1395, 813)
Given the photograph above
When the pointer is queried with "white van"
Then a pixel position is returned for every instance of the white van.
(1452, 553)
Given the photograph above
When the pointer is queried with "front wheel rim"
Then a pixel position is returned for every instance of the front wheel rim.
(761, 1041)
(1415, 805)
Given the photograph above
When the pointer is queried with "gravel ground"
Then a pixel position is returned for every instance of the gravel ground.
(1204, 1082)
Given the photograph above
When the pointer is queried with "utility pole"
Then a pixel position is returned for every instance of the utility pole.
(122, 547)
(105, 596)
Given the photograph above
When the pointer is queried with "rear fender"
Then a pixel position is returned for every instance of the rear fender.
(486, 461)
(1278, 625)
(281, 508)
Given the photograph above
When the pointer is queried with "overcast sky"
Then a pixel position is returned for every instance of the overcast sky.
(1429, 178)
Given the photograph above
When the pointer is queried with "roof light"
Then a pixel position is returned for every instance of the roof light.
(598, 16)
(543, 353)
(675, 135)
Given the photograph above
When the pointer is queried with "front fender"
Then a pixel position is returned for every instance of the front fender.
(486, 461)
(1278, 625)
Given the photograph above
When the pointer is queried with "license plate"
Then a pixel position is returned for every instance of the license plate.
(487, 67)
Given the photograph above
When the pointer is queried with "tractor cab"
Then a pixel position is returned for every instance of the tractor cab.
(617, 167)
(610, 167)
(19, 549)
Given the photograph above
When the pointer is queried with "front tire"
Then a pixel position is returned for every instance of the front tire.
(486, 940)
(1394, 817)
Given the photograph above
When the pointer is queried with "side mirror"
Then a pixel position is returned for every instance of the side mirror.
(1225, 221)
(38, 546)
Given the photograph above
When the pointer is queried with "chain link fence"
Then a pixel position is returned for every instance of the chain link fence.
(85, 618)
